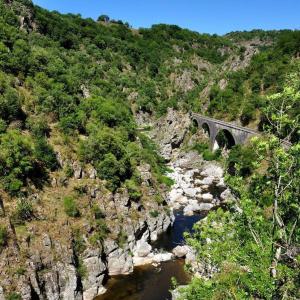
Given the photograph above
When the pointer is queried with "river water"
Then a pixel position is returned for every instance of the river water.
(150, 282)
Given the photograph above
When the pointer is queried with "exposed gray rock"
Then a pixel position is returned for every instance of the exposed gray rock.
(207, 197)
(92, 173)
(184, 81)
(2, 297)
(96, 269)
(143, 249)
(119, 262)
(77, 169)
(47, 241)
(68, 282)
(181, 251)
(170, 131)
(226, 195)
(212, 170)
(205, 206)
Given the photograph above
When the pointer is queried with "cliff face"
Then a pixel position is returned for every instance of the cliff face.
(58, 258)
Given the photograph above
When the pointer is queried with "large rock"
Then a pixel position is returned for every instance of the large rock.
(190, 192)
(181, 251)
(207, 180)
(226, 195)
(119, 262)
(96, 270)
(207, 197)
(162, 257)
(143, 249)
(212, 170)
(205, 206)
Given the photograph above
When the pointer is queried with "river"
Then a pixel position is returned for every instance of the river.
(150, 282)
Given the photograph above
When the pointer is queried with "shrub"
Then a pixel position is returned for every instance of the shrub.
(133, 190)
(101, 232)
(19, 162)
(68, 170)
(166, 180)
(3, 237)
(98, 213)
(45, 153)
(78, 242)
(200, 147)
(38, 126)
(70, 207)
(209, 155)
(154, 213)
(82, 269)
(3, 126)
(122, 238)
(20, 271)
(240, 161)
(24, 212)
(14, 296)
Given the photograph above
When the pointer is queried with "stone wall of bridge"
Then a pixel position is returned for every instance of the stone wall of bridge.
(238, 134)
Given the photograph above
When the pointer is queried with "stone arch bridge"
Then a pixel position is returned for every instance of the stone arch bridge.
(235, 134)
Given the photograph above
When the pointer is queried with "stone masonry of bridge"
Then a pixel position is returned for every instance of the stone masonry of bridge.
(239, 134)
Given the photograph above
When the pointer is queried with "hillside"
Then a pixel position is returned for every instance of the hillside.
(80, 182)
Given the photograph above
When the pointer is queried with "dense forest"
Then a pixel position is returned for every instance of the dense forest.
(74, 86)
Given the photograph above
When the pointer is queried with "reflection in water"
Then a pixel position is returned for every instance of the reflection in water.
(149, 282)
(146, 283)
(174, 236)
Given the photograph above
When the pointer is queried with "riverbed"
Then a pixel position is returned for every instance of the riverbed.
(154, 282)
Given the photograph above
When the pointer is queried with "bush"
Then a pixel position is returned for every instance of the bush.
(14, 296)
(3, 237)
(19, 162)
(24, 212)
(133, 190)
(98, 213)
(82, 269)
(201, 147)
(154, 214)
(110, 169)
(209, 155)
(166, 180)
(70, 207)
(38, 126)
(122, 238)
(240, 161)
(45, 153)
(101, 232)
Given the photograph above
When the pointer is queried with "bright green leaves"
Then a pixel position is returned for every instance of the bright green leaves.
(21, 159)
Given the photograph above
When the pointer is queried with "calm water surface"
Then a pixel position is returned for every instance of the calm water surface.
(149, 282)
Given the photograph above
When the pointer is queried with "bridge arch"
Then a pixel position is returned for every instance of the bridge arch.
(224, 139)
(206, 129)
(234, 133)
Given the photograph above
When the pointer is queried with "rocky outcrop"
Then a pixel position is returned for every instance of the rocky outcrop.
(170, 131)
(197, 188)
(54, 266)
(181, 251)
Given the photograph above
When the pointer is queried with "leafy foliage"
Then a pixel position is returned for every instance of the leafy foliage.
(251, 245)
(70, 207)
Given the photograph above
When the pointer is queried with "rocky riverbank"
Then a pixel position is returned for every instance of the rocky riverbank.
(196, 189)
(68, 260)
